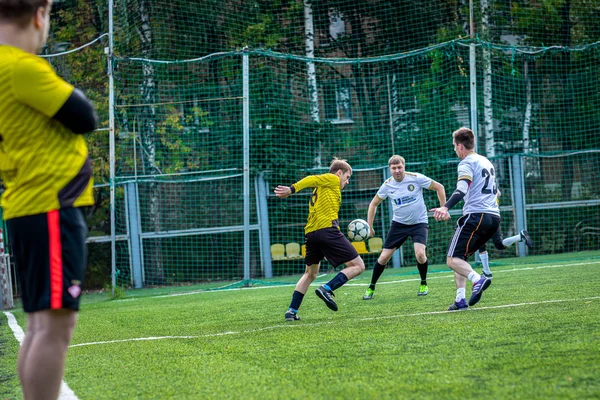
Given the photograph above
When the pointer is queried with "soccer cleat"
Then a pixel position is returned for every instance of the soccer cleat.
(525, 238)
(291, 315)
(423, 290)
(368, 294)
(487, 275)
(483, 283)
(458, 305)
(327, 296)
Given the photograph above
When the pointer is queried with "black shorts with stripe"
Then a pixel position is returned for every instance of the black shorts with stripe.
(471, 233)
(398, 234)
(328, 243)
(50, 254)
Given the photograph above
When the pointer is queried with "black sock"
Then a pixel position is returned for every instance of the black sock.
(337, 281)
(377, 271)
(423, 271)
(296, 300)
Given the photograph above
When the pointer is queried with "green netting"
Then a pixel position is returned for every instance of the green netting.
(361, 80)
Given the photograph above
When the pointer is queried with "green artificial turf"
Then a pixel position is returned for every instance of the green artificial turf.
(534, 335)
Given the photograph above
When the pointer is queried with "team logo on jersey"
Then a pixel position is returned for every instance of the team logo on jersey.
(411, 187)
(406, 200)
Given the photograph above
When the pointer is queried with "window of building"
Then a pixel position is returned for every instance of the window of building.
(337, 25)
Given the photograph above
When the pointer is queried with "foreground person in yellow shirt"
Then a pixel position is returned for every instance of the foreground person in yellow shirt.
(47, 174)
(323, 237)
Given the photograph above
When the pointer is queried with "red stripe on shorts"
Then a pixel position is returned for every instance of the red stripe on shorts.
(56, 272)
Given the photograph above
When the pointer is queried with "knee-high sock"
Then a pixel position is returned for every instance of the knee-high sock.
(296, 300)
(377, 271)
(485, 262)
(511, 240)
(337, 281)
(423, 271)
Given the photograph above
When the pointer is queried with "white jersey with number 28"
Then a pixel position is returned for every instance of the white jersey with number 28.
(481, 196)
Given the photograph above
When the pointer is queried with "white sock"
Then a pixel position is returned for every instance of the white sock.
(474, 276)
(485, 262)
(460, 294)
(511, 240)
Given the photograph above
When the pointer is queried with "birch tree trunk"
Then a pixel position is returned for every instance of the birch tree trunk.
(528, 108)
(313, 94)
(154, 273)
(488, 113)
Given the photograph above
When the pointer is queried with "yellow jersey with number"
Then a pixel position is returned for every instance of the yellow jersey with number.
(43, 165)
(325, 202)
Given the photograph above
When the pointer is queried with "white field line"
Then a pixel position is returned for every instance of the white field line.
(304, 325)
(65, 392)
(450, 275)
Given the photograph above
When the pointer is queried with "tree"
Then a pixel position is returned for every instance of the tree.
(567, 24)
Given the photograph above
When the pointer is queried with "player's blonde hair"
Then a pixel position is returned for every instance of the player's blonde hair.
(338, 164)
(396, 159)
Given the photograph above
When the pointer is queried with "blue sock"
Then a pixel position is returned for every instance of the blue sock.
(296, 300)
(336, 282)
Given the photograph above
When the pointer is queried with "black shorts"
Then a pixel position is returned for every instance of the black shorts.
(328, 243)
(497, 240)
(398, 234)
(472, 232)
(50, 254)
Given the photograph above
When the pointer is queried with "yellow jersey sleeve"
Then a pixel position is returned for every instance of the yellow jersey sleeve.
(36, 84)
(325, 180)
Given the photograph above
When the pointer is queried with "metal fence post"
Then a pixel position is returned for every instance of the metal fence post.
(518, 185)
(6, 289)
(263, 223)
(135, 245)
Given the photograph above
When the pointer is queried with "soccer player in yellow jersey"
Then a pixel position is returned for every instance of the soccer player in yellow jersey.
(323, 237)
(46, 173)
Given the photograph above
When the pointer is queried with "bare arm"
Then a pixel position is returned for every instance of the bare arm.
(441, 213)
(372, 211)
(440, 190)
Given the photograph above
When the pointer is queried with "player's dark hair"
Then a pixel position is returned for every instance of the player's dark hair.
(338, 164)
(465, 137)
(20, 11)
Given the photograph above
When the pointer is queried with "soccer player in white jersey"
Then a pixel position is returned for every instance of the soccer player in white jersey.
(405, 191)
(480, 220)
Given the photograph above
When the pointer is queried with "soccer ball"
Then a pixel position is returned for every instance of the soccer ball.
(358, 230)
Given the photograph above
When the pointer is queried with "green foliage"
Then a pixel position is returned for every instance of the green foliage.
(179, 146)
